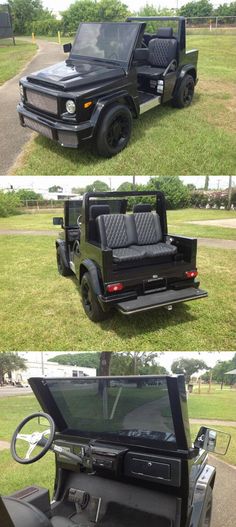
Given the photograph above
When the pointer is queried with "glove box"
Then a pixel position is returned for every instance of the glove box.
(153, 468)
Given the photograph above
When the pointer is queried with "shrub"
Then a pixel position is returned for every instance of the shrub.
(9, 204)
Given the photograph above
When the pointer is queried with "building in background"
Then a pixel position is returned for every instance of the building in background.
(38, 365)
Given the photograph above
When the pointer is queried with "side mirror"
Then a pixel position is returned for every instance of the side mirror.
(67, 48)
(213, 440)
(58, 221)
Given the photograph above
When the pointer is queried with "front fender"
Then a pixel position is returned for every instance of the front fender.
(202, 492)
(120, 97)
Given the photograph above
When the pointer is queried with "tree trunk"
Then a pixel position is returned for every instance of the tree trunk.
(105, 362)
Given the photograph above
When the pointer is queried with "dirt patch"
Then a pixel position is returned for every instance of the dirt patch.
(4, 445)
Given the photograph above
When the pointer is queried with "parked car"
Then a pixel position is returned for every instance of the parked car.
(123, 456)
(125, 260)
(115, 72)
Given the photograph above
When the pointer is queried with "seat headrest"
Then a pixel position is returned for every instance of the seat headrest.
(142, 207)
(98, 210)
(165, 32)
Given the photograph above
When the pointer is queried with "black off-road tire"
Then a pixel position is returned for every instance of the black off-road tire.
(185, 93)
(114, 130)
(90, 302)
(62, 268)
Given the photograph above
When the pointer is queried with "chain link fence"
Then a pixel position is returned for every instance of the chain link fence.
(207, 24)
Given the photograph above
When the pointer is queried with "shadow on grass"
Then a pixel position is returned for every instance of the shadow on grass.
(143, 323)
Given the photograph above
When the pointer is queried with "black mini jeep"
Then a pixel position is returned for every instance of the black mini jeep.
(123, 454)
(125, 260)
(115, 72)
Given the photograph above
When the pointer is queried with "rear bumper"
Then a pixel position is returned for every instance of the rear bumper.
(67, 135)
(159, 299)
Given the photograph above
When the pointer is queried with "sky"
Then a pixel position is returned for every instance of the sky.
(165, 359)
(42, 183)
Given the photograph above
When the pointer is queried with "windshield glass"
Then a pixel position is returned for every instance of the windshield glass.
(129, 410)
(107, 41)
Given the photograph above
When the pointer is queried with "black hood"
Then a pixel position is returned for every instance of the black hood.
(73, 74)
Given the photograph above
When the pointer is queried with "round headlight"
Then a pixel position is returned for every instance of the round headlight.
(21, 90)
(70, 106)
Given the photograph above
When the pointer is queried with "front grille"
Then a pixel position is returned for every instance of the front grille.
(38, 127)
(41, 101)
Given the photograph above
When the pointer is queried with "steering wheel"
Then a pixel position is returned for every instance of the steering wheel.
(34, 439)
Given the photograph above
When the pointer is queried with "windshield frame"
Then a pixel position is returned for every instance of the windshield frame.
(116, 62)
(178, 405)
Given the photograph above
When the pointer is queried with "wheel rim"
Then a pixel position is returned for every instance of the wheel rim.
(118, 131)
(188, 93)
(86, 293)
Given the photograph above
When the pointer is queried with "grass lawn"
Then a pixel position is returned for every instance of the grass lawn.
(14, 58)
(198, 140)
(42, 220)
(40, 310)
(14, 409)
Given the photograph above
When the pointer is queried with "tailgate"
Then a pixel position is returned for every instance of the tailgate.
(160, 299)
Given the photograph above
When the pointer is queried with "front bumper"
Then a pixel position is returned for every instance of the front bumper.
(67, 135)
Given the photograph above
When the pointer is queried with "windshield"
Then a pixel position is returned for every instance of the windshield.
(128, 410)
(106, 41)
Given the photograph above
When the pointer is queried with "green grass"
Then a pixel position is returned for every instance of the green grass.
(177, 222)
(198, 140)
(207, 406)
(14, 58)
(41, 310)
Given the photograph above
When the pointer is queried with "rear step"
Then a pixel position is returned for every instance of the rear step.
(160, 299)
(148, 101)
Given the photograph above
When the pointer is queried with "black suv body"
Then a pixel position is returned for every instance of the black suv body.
(123, 454)
(115, 72)
(122, 259)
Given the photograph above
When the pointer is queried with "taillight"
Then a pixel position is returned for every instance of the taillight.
(114, 288)
(191, 274)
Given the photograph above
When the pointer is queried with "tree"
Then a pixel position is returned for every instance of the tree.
(78, 190)
(177, 194)
(125, 187)
(188, 367)
(10, 362)
(151, 10)
(97, 186)
(55, 188)
(226, 10)
(200, 8)
(86, 360)
(92, 11)
(28, 195)
(24, 12)
(105, 363)
(135, 363)
(9, 204)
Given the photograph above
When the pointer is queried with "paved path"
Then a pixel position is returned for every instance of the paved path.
(230, 223)
(217, 243)
(4, 445)
(15, 232)
(12, 136)
(224, 510)
(9, 391)
(213, 422)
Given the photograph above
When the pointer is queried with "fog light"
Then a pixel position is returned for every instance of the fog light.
(70, 106)
(21, 91)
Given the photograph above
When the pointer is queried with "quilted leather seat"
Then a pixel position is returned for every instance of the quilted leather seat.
(133, 237)
(162, 50)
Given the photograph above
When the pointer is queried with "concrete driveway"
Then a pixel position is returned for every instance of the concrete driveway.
(224, 509)
(12, 136)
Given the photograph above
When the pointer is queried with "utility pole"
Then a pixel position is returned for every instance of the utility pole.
(134, 183)
(229, 193)
(42, 363)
